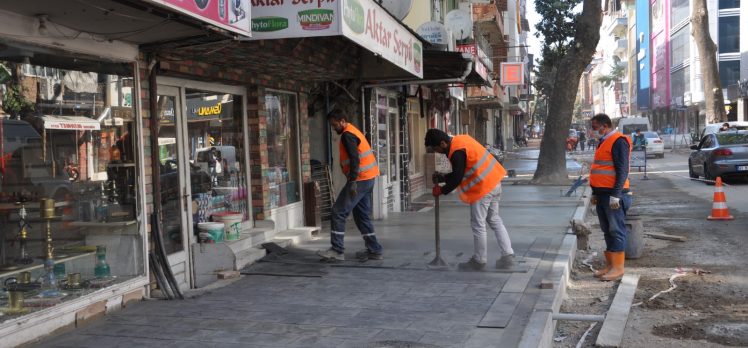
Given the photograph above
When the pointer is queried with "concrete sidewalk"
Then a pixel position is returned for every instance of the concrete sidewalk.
(397, 302)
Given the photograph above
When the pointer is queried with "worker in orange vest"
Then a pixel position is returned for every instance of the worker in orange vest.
(476, 175)
(610, 192)
(360, 167)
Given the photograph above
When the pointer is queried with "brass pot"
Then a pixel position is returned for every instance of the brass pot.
(47, 208)
(15, 299)
(74, 279)
(24, 277)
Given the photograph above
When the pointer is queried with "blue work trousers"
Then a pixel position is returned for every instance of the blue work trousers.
(613, 221)
(360, 205)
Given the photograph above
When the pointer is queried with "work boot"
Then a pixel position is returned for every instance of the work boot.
(365, 254)
(505, 262)
(601, 272)
(616, 270)
(331, 255)
(471, 265)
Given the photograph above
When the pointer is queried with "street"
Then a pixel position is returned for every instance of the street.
(707, 308)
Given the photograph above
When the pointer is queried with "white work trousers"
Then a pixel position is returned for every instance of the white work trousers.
(487, 210)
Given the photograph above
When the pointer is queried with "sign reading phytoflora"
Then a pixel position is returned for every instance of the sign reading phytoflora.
(231, 15)
(282, 19)
(367, 24)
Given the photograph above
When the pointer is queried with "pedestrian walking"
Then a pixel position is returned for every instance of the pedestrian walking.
(582, 139)
(610, 192)
(359, 165)
(477, 176)
(640, 142)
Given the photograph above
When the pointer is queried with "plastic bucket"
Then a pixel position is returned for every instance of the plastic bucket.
(214, 229)
(232, 222)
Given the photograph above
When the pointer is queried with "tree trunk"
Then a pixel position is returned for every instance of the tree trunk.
(552, 160)
(714, 100)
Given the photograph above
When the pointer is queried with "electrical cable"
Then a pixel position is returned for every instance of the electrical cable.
(159, 275)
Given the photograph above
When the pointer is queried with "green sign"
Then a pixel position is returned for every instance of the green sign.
(264, 24)
(353, 14)
(317, 19)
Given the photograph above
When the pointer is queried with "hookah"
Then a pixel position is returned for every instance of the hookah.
(49, 282)
(24, 258)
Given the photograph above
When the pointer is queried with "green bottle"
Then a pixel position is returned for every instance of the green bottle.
(101, 270)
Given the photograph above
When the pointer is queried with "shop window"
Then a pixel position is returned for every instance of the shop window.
(729, 72)
(69, 174)
(679, 11)
(728, 4)
(283, 148)
(729, 34)
(680, 82)
(680, 46)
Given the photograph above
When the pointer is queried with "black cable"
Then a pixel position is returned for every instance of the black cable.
(161, 253)
(159, 275)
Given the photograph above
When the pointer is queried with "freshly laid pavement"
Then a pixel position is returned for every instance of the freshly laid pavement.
(296, 301)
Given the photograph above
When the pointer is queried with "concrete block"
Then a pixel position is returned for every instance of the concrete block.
(91, 311)
(546, 284)
(228, 274)
(501, 310)
(539, 331)
(132, 296)
(611, 333)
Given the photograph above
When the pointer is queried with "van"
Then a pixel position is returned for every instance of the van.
(628, 125)
(714, 127)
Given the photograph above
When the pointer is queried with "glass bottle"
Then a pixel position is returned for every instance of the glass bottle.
(101, 270)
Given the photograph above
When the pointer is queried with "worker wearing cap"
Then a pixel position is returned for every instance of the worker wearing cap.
(610, 192)
(476, 175)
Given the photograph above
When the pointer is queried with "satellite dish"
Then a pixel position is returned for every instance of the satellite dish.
(459, 23)
(398, 8)
(434, 32)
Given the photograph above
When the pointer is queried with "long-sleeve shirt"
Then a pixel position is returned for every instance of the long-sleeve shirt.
(620, 153)
(453, 179)
(350, 143)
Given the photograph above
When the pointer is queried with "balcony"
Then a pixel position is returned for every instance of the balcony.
(618, 26)
(489, 20)
(621, 48)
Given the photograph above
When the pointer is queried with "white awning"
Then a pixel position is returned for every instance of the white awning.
(70, 123)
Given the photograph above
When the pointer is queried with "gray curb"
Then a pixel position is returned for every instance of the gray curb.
(541, 327)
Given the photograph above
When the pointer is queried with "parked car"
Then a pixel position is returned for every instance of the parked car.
(655, 145)
(722, 154)
(714, 127)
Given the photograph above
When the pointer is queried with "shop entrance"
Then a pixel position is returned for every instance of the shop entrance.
(388, 147)
(202, 154)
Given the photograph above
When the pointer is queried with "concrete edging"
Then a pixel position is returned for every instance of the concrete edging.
(541, 327)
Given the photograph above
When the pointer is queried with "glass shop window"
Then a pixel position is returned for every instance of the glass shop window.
(283, 148)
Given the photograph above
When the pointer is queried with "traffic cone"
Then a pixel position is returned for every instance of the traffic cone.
(719, 207)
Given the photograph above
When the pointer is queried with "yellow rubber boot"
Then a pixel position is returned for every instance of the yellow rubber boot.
(617, 259)
(601, 272)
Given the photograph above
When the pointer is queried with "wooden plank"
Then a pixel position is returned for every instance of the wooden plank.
(501, 310)
(672, 237)
(611, 334)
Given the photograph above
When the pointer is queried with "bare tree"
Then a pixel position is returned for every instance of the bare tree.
(571, 40)
(715, 101)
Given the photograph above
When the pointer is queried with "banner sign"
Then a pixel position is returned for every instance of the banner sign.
(369, 25)
(476, 52)
(638, 158)
(231, 15)
(512, 74)
(297, 18)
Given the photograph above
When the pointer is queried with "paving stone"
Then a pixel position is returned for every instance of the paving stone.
(354, 333)
(443, 339)
(398, 335)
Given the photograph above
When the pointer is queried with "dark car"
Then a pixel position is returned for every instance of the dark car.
(722, 154)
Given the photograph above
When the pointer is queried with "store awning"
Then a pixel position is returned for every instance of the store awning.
(439, 65)
(70, 123)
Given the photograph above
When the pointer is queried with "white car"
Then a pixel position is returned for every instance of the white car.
(655, 145)
(714, 127)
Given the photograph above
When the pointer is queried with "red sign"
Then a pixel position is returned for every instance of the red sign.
(231, 15)
(479, 67)
(512, 74)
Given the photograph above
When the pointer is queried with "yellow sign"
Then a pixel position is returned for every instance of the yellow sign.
(209, 110)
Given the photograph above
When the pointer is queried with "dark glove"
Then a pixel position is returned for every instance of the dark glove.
(436, 191)
(353, 189)
(437, 178)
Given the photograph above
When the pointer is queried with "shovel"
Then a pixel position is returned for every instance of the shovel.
(437, 262)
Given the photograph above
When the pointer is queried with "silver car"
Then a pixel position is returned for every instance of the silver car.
(722, 154)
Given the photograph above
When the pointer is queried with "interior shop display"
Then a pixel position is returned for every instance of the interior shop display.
(68, 181)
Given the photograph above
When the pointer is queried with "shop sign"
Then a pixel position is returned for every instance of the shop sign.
(458, 92)
(512, 74)
(434, 32)
(275, 19)
(210, 110)
(476, 52)
(77, 123)
(231, 15)
(367, 24)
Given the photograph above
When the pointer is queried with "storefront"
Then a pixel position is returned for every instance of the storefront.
(72, 207)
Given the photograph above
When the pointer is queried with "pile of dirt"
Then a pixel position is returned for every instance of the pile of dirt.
(726, 331)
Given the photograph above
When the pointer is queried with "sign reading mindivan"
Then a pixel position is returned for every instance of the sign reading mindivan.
(362, 21)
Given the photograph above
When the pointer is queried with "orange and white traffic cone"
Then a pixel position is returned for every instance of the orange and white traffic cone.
(719, 207)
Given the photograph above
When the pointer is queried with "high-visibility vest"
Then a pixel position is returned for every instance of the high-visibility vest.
(367, 165)
(602, 171)
(482, 171)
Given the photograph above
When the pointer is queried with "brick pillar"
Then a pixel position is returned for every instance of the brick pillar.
(258, 151)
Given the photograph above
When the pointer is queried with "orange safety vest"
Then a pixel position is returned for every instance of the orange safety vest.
(367, 165)
(482, 171)
(602, 171)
